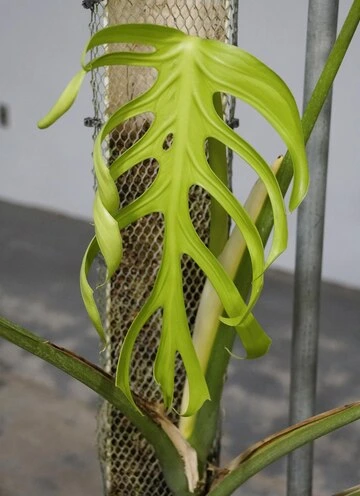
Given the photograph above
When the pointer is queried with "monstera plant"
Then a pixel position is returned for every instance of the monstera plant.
(190, 73)
(187, 138)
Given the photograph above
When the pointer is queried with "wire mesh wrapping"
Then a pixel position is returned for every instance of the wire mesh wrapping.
(129, 465)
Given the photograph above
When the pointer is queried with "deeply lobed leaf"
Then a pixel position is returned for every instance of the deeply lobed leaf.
(190, 71)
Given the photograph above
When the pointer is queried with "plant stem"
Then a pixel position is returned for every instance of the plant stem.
(103, 384)
(271, 449)
(208, 416)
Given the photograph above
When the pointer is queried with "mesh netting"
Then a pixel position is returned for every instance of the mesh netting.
(129, 464)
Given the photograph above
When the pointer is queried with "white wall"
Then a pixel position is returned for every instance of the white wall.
(52, 168)
(40, 49)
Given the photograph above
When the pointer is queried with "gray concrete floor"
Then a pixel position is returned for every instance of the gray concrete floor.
(48, 421)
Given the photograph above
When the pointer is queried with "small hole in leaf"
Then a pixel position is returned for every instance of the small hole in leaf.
(168, 141)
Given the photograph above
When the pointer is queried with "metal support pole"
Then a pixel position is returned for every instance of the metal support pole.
(321, 34)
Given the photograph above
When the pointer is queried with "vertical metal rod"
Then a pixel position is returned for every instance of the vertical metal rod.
(321, 34)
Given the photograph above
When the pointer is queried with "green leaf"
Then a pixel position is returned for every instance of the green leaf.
(267, 451)
(170, 448)
(86, 290)
(107, 235)
(65, 101)
(190, 72)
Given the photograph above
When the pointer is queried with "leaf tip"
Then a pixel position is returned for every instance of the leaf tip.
(64, 102)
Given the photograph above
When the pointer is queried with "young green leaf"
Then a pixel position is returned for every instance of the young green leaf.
(190, 71)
